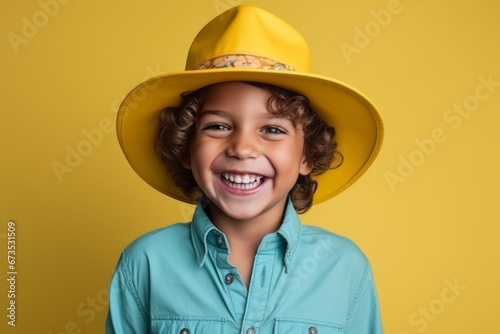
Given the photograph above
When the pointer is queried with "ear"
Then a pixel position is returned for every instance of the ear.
(305, 166)
(186, 162)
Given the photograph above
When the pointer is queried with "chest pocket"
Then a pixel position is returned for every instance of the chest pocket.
(188, 325)
(304, 326)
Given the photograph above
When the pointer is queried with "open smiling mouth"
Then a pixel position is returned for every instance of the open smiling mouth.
(242, 181)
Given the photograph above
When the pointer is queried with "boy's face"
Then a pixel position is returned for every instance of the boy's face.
(244, 158)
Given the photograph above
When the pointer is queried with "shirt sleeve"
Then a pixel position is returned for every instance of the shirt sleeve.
(126, 312)
(364, 315)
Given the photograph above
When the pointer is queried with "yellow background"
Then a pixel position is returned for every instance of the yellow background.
(426, 216)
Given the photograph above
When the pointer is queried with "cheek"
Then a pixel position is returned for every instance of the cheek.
(289, 156)
(202, 154)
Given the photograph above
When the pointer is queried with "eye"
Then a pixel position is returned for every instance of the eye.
(216, 130)
(216, 127)
(274, 130)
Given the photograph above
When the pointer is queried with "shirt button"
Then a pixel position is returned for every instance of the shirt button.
(184, 331)
(229, 279)
(219, 241)
(313, 330)
(251, 330)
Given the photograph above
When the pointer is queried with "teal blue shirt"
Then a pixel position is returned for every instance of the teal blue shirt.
(304, 280)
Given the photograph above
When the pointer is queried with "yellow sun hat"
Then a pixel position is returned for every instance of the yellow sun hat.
(246, 43)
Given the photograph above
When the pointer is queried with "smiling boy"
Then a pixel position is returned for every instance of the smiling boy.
(245, 160)
(247, 133)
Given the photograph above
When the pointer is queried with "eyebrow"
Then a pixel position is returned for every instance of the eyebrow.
(219, 112)
(216, 112)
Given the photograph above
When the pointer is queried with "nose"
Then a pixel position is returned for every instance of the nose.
(243, 145)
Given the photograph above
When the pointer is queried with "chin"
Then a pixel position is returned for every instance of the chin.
(241, 214)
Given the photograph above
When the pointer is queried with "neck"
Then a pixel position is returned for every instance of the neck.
(244, 234)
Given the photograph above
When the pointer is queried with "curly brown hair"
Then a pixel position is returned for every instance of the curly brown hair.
(177, 126)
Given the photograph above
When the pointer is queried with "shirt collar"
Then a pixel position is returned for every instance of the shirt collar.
(290, 230)
(202, 229)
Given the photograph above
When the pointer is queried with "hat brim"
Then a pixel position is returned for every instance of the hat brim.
(358, 126)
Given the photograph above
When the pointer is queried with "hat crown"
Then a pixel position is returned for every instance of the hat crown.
(250, 31)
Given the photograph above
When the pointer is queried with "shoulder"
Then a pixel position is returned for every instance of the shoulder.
(321, 243)
(335, 258)
(159, 242)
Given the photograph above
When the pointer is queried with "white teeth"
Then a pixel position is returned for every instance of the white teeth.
(245, 182)
(236, 178)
